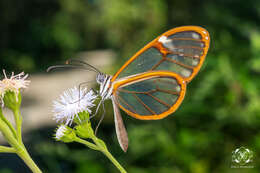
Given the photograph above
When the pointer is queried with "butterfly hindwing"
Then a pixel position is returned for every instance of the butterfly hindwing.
(150, 95)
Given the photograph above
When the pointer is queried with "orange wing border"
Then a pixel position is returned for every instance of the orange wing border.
(145, 76)
(155, 43)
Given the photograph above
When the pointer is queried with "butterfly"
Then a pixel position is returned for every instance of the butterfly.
(152, 84)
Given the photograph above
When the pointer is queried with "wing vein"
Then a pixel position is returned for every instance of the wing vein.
(159, 63)
(137, 92)
(186, 55)
(158, 100)
(167, 91)
(181, 64)
(129, 106)
(189, 47)
(146, 107)
(189, 39)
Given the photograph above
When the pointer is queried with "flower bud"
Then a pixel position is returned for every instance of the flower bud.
(65, 134)
(84, 130)
(12, 100)
(81, 117)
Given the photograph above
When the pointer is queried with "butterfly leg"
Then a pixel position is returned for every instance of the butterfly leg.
(79, 88)
(96, 110)
(101, 119)
(81, 85)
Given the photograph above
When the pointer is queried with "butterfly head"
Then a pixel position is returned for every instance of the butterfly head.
(100, 78)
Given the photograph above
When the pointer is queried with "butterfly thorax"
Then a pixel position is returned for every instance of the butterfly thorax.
(105, 90)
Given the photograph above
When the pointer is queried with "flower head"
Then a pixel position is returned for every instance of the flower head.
(13, 84)
(65, 134)
(72, 102)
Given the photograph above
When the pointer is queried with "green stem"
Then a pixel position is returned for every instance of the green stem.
(18, 122)
(105, 151)
(7, 133)
(17, 146)
(23, 154)
(4, 149)
(88, 144)
(8, 123)
(113, 160)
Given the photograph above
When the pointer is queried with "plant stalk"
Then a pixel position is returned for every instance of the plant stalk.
(4, 149)
(8, 123)
(105, 151)
(113, 160)
(88, 144)
(17, 146)
(24, 155)
(18, 122)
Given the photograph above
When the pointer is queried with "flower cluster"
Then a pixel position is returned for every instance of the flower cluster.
(73, 106)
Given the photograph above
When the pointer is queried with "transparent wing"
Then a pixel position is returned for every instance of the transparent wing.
(181, 50)
(150, 95)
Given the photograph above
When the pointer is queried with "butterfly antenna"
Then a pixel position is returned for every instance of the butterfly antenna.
(65, 66)
(70, 61)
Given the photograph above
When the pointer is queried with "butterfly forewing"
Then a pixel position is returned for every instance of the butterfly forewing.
(144, 62)
(150, 95)
(181, 50)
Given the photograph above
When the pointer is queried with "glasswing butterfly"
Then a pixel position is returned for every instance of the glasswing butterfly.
(151, 85)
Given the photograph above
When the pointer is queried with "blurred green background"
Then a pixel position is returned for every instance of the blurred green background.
(221, 111)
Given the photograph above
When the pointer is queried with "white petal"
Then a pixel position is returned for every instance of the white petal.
(72, 102)
(60, 131)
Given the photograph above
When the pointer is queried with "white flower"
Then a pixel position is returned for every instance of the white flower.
(60, 131)
(14, 84)
(72, 102)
